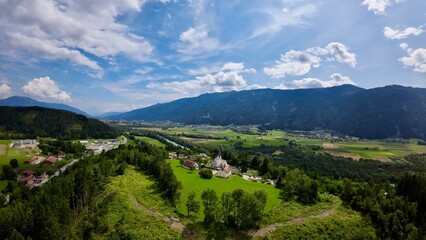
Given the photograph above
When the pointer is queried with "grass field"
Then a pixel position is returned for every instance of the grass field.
(136, 211)
(379, 150)
(9, 153)
(191, 181)
(13, 153)
(151, 141)
(372, 149)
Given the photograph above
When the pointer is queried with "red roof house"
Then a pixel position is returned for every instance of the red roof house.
(31, 160)
(27, 173)
(190, 164)
(51, 160)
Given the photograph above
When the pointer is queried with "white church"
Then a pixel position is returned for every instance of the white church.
(222, 167)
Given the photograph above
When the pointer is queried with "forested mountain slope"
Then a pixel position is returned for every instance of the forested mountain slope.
(45, 122)
(391, 111)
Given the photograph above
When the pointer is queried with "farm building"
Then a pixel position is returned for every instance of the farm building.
(191, 164)
(30, 143)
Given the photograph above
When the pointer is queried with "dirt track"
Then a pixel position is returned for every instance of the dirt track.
(175, 223)
(297, 220)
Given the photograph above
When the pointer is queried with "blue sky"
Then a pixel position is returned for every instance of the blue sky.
(112, 55)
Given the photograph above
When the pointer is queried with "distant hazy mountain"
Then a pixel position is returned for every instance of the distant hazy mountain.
(46, 122)
(392, 111)
(16, 101)
(107, 115)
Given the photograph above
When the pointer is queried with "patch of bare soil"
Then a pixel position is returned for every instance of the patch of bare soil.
(188, 138)
(329, 146)
(277, 153)
(354, 156)
(3, 149)
(211, 140)
(383, 159)
(266, 230)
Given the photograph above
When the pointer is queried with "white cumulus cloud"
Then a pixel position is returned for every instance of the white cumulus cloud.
(379, 6)
(195, 41)
(298, 63)
(401, 34)
(5, 90)
(336, 80)
(219, 82)
(416, 58)
(47, 89)
(70, 30)
(228, 78)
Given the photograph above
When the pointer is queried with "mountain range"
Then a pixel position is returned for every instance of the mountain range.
(17, 101)
(391, 111)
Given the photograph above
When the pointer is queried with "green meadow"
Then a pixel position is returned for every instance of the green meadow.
(151, 141)
(191, 181)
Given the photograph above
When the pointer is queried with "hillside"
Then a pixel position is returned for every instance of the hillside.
(46, 122)
(392, 111)
(17, 101)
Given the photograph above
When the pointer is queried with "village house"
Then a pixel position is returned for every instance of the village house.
(27, 176)
(172, 155)
(39, 180)
(51, 160)
(27, 173)
(32, 160)
(225, 172)
(191, 165)
(61, 154)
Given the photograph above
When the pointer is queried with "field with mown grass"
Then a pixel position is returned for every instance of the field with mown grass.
(151, 141)
(191, 181)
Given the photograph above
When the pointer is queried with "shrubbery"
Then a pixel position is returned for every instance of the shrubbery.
(206, 173)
